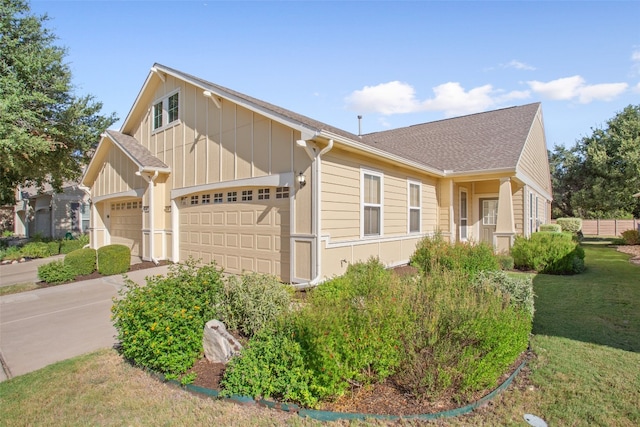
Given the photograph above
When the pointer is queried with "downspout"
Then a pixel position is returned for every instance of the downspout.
(316, 217)
(150, 180)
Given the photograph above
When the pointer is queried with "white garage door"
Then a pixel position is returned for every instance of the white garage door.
(126, 225)
(239, 230)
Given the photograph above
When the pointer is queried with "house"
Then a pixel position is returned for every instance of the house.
(199, 170)
(46, 213)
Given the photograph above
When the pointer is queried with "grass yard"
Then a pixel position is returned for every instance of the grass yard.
(587, 370)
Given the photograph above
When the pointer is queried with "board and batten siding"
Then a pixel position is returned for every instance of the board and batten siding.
(534, 155)
(117, 174)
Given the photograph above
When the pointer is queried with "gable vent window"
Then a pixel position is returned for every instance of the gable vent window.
(218, 197)
(166, 111)
(282, 192)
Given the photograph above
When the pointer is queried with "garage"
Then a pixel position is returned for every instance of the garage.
(126, 225)
(241, 230)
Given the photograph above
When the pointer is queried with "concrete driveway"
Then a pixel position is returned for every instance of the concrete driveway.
(44, 326)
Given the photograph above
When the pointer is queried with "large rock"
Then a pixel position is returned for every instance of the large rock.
(219, 345)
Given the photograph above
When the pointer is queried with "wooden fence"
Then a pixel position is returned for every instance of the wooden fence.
(608, 227)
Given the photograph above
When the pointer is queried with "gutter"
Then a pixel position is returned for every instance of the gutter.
(316, 216)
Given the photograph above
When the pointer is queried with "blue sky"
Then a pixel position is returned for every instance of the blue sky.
(396, 63)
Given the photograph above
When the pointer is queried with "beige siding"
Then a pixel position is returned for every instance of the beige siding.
(117, 175)
(518, 211)
(533, 161)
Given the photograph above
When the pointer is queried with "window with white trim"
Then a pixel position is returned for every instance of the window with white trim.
(282, 192)
(218, 197)
(194, 200)
(371, 202)
(166, 111)
(206, 199)
(247, 195)
(263, 194)
(464, 215)
(531, 226)
(232, 196)
(415, 206)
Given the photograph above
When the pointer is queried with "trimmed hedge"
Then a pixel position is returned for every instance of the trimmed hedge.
(545, 252)
(56, 272)
(553, 228)
(82, 261)
(571, 225)
(114, 259)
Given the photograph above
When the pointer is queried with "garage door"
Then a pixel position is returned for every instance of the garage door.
(239, 230)
(126, 225)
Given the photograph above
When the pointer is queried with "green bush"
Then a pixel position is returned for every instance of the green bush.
(553, 228)
(436, 253)
(552, 253)
(252, 301)
(350, 329)
(570, 225)
(35, 250)
(82, 261)
(56, 272)
(518, 290)
(10, 253)
(67, 246)
(631, 237)
(54, 247)
(114, 259)
(505, 261)
(271, 366)
(462, 337)
(160, 325)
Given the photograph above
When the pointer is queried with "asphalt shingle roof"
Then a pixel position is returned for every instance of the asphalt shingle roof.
(136, 150)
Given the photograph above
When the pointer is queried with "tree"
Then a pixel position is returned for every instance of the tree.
(599, 175)
(46, 132)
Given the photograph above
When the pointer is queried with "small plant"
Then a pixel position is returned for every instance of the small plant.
(506, 262)
(552, 253)
(160, 325)
(519, 290)
(570, 225)
(82, 261)
(113, 259)
(10, 253)
(54, 247)
(56, 272)
(631, 237)
(252, 301)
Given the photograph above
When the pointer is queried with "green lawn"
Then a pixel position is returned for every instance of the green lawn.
(586, 370)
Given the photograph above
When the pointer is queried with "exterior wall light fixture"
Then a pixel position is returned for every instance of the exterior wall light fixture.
(302, 180)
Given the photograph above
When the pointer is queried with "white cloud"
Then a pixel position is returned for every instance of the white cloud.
(451, 98)
(635, 56)
(518, 65)
(575, 87)
(636, 88)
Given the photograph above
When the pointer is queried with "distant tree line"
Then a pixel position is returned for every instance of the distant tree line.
(598, 176)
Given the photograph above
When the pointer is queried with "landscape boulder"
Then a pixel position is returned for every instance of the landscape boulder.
(219, 345)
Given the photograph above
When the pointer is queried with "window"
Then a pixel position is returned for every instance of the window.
(232, 196)
(263, 194)
(247, 195)
(166, 111)
(218, 197)
(371, 204)
(489, 212)
(194, 200)
(282, 193)
(415, 207)
(464, 218)
(531, 226)
(206, 199)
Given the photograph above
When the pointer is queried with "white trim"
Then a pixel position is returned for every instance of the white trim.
(476, 211)
(380, 204)
(276, 180)
(137, 193)
(349, 243)
(166, 124)
(411, 182)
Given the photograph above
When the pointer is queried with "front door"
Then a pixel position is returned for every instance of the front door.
(488, 219)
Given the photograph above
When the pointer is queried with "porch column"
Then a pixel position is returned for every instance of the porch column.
(505, 228)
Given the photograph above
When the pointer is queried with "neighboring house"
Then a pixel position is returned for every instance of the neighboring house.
(49, 214)
(199, 170)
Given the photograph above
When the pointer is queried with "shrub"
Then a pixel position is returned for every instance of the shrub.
(270, 366)
(114, 259)
(82, 261)
(519, 290)
(506, 262)
(252, 301)
(544, 252)
(160, 325)
(351, 329)
(67, 246)
(10, 253)
(35, 250)
(56, 272)
(631, 237)
(462, 337)
(570, 225)
(436, 253)
(54, 247)
(553, 228)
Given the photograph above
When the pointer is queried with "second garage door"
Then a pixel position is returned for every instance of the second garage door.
(238, 231)
(126, 225)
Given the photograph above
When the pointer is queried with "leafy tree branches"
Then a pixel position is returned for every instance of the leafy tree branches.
(46, 132)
